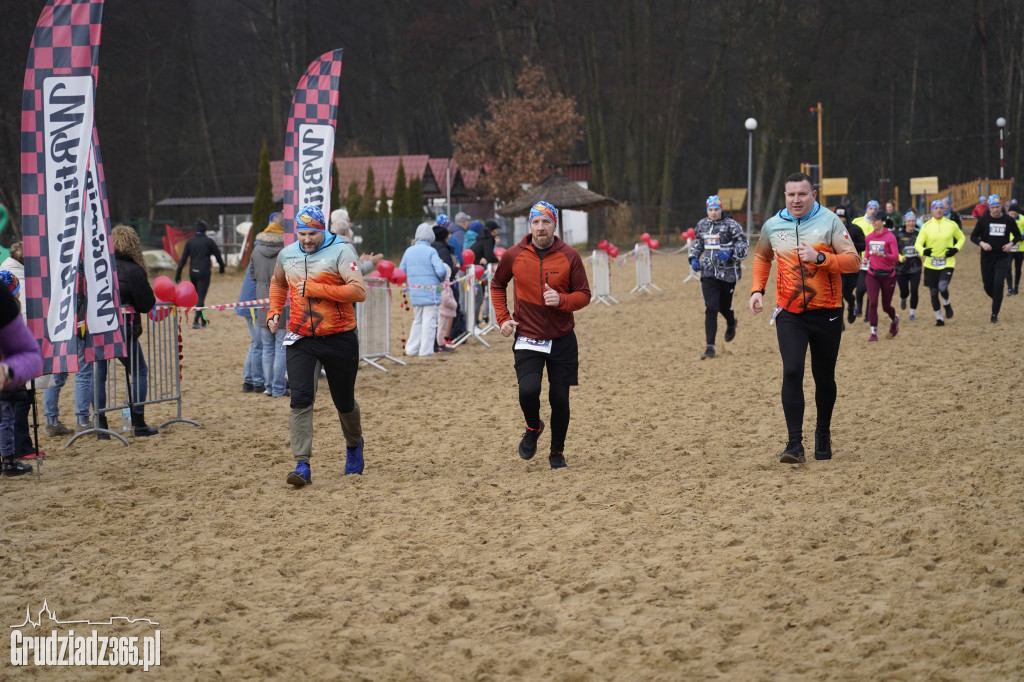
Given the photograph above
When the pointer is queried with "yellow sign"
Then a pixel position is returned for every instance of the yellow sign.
(834, 187)
(924, 185)
(732, 198)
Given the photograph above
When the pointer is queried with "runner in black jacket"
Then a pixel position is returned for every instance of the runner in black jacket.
(995, 232)
(908, 270)
(198, 251)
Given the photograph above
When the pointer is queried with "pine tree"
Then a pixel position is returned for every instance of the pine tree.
(353, 200)
(335, 189)
(263, 202)
(369, 202)
(400, 202)
(415, 204)
(383, 212)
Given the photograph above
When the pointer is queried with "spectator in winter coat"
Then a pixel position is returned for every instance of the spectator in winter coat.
(266, 247)
(425, 271)
(252, 371)
(473, 232)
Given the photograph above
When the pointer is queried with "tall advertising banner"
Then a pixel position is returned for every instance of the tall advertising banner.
(309, 140)
(64, 202)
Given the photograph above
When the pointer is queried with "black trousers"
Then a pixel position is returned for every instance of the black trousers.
(339, 355)
(821, 331)
(717, 299)
(909, 284)
(200, 278)
(994, 271)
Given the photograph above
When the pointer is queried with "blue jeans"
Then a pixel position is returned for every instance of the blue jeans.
(14, 430)
(137, 375)
(83, 389)
(51, 398)
(274, 360)
(253, 372)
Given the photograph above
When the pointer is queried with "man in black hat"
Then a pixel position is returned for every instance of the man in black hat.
(198, 251)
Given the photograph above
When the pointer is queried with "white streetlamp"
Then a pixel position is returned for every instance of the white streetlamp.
(751, 126)
(1001, 123)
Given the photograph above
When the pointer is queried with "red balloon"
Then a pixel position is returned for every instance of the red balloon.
(645, 237)
(499, 252)
(374, 274)
(479, 270)
(468, 257)
(160, 313)
(603, 245)
(385, 268)
(613, 251)
(163, 287)
(185, 295)
(654, 243)
(398, 276)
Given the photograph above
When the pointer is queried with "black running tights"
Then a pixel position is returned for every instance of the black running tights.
(558, 396)
(821, 331)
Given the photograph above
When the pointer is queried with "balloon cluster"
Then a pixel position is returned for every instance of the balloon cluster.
(184, 295)
(607, 246)
(688, 234)
(646, 239)
(387, 270)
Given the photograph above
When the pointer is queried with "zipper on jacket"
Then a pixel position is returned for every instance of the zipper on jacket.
(800, 264)
(309, 304)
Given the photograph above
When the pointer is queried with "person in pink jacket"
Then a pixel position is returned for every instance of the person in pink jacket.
(882, 252)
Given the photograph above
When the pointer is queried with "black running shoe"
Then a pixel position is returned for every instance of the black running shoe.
(557, 460)
(903, 304)
(940, 323)
(15, 467)
(730, 331)
(822, 445)
(528, 445)
(709, 352)
(949, 310)
(793, 454)
(851, 314)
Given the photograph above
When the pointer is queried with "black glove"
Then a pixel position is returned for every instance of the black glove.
(950, 252)
(927, 252)
(222, 269)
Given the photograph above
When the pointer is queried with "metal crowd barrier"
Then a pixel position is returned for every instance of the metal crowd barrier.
(643, 269)
(160, 346)
(469, 307)
(373, 322)
(489, 302)
(602, 279)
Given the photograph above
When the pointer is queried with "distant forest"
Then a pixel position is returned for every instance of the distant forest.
(188, 89)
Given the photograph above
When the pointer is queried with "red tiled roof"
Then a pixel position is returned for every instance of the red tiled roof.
(385, 171)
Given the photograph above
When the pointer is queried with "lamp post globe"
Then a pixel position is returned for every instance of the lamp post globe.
(750, 124)
(1001, 123)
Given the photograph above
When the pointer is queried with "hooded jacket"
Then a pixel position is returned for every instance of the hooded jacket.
(424, 268)
(134, 290)
(803, 286)
(711, 236)
(333, 284)
(561, 268)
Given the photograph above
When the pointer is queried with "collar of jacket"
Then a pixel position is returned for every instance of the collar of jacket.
(785, 214)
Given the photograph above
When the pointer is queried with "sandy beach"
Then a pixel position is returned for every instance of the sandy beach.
(675, 546)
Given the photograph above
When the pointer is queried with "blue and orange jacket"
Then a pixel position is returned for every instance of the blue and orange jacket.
(333, 284)
(803, 286)
(561, 268)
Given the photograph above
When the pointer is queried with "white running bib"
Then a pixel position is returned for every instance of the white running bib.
(538, 345)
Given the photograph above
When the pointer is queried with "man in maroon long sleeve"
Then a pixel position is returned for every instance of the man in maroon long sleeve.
(551, 283)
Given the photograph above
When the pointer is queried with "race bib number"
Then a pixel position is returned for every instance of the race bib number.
(712, 241)
(938, 262)
(537, 345)
(290, 338)
(910, 252)
(876, 248)
(996, 230)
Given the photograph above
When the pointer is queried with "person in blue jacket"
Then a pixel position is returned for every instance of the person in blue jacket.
(425, 271)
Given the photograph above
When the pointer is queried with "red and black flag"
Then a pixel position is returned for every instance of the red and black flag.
(64, 202)
(309, 140)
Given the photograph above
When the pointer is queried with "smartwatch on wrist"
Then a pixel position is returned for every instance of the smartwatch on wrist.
(821, 258)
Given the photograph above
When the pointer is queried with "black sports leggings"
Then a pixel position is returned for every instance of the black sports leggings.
(821, 330)
(850, 289)
(558, 396)
(909, 284)
(1018, 260)
(717, 299)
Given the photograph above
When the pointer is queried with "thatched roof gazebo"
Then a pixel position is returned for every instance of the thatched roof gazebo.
(561, 192)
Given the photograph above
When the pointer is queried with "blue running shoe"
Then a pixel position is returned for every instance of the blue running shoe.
(354, 459)
(301, 476)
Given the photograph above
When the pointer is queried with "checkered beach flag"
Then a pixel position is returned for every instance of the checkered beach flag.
(64, 200)
(309, 140)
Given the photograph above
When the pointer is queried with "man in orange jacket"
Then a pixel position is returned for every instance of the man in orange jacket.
(551, 283)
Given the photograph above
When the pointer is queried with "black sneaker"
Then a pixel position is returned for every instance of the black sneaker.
(851, 314)
(903, 304)
(730, 331)
(995, 318)
(259, 388)
(14, 467)
(793, 454)
(940, 323)
(709, 352)
(949, 310)
(247, 387)
(528, 445)
(557, 460)
(822, 445)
